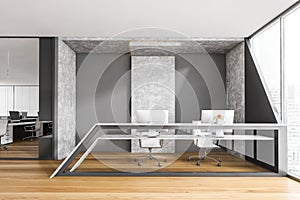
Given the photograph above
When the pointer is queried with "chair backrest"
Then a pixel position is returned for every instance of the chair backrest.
(204, 140)
(3, 127)
(29, 128)
(218, 117)
(152, 117)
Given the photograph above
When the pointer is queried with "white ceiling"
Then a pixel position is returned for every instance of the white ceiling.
(193, 18)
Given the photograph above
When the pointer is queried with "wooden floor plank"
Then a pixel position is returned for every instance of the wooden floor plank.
(29, 179)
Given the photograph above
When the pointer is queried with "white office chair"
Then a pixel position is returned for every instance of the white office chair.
(205, 142)
(151, 117)
(3, 131)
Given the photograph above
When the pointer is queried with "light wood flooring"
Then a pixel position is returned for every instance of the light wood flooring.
(29, 179)
(21, 149)
(111, 162)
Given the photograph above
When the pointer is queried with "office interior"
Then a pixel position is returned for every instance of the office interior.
(83, 81)
(202, 74)
(90, 80)
(21, 128)
(116, 63)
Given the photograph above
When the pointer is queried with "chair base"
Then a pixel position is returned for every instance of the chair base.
(29, 138)
(202, 157)
(4, 147)
(148, 157)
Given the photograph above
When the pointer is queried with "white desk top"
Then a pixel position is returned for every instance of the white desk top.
(185, 137)
(240, 126)
(21, 123)
(27, 123)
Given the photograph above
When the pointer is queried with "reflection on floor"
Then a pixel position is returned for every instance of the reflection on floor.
(21, 149)
(112, 162)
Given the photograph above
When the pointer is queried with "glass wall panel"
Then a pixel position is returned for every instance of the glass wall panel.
(266, 48)
(292, 72)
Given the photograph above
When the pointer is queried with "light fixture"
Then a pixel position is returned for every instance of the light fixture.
(154, 44)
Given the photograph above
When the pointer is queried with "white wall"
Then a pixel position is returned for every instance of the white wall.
(27, 99)
(6, 100)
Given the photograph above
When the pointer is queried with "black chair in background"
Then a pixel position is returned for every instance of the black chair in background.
(32, 131)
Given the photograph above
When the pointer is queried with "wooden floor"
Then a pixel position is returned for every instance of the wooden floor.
(21, 149)
(30, 180)
(112, 162)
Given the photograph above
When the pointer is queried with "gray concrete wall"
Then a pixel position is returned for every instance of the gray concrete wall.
(65, 101)
(153, 88)
(235, 92)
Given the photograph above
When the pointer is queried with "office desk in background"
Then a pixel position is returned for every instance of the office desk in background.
(10, 129)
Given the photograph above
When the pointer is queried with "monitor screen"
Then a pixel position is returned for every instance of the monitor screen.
(24, 115)
(152, 116)
(14, 115)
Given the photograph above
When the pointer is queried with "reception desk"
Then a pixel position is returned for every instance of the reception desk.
(98, 133)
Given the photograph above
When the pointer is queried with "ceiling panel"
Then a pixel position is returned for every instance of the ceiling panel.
(191, 18)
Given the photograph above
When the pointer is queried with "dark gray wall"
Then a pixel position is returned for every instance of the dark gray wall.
(192, 94)
(46, 78)
(112, 96)
(47, 63)
(257, 105)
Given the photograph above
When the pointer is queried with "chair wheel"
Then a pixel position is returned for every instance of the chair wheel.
(5, 148)
(219, 164)
(198, 163)
(139, 164)
(160, 165)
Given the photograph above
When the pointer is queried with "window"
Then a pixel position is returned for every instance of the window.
(266, 49)
(292, 72)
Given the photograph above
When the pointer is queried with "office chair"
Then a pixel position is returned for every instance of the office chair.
(152, 117)
(3, 132)
(205, 140)
(50, 128)
(32, 130)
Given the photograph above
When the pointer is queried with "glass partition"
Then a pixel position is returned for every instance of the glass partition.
(276, 49)
(19, 92)
(292, 71)
(266, 49)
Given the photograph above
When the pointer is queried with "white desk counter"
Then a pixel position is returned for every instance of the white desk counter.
(10, 129)
(101, 127)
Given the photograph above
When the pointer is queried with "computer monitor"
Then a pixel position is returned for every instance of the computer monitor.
(218, 117)
(152, 116)
(24, 115)
(14, 115)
